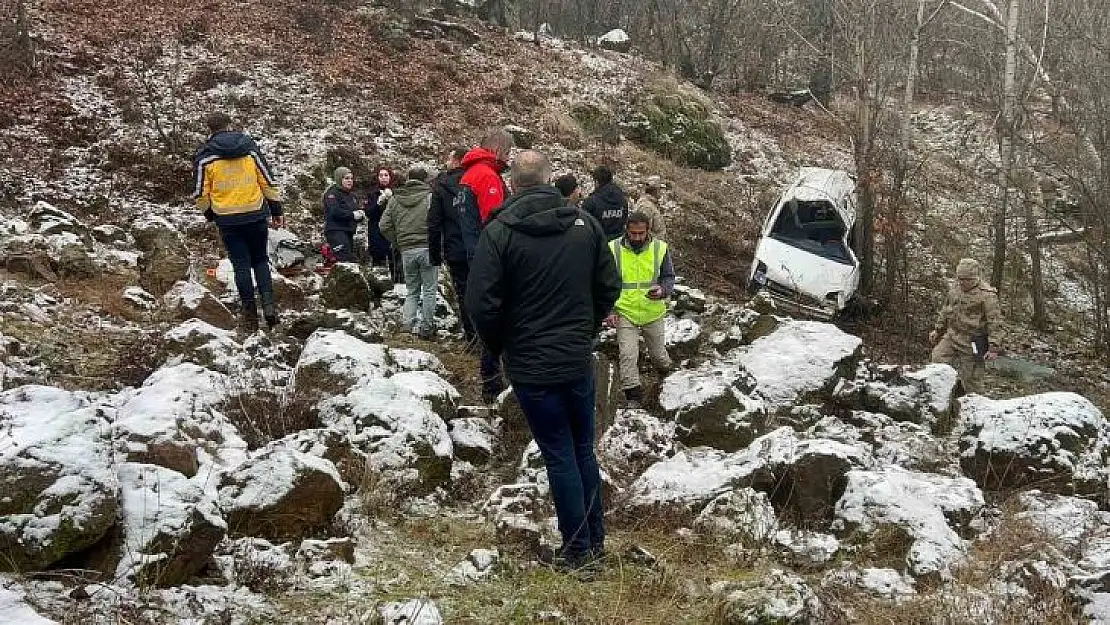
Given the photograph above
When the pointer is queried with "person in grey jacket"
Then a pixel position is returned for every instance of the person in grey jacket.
(405, 224)
(341, 215)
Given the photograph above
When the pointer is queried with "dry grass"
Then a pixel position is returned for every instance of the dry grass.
(263, 414)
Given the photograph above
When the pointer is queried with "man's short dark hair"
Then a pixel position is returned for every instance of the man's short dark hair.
(602, 175)
(639, 217)
(217, 122)
(566, 184)
(457, 152)
(418, 173)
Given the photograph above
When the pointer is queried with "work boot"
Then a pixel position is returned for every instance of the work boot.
(248, 318)
(269, 313)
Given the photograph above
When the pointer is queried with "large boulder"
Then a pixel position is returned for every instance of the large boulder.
(405, 441)
(924, 396)
(346, 287)
(927, 508)
(175, 413)
(473, 439)
(682, 337)
(709, 406)
(170, 526)
(680, 125)
(281, 495)
(284, 249)
(777, 597)
(59, 490)
(431, 388)
(908, 445)
(814, 477)
(187, 300)
(46, 220)
(799, 361)
(165, 258)
(329, 444)
(1056, 441)
(333, 361)
(616, 40)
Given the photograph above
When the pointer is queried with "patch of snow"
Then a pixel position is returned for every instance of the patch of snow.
(14, 610)
(411, 612)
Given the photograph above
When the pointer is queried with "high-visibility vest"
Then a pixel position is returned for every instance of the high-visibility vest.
(639, 272)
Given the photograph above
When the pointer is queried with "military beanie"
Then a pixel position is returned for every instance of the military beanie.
(967, 268)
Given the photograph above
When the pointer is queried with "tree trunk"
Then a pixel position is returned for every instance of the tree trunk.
(1006, 130)
(1033, 200)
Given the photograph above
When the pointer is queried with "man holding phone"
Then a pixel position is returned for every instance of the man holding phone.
(647, 280)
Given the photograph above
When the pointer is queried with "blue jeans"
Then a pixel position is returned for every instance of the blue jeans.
(421, 279)
(246, 249)
(561, 418)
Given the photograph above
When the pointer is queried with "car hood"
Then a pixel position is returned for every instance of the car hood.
(798, 269)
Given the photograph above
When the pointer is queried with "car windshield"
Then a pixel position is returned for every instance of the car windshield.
(813, 226)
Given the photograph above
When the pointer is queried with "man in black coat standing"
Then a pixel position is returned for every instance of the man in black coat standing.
(445, 242)
(541, 283)
(608, 203)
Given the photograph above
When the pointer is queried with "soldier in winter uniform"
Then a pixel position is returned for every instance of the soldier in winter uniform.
(969, 326)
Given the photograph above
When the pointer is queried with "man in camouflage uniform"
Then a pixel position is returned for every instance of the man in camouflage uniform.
(971, 308)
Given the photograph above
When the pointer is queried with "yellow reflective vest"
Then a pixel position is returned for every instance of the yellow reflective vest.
(639, 272)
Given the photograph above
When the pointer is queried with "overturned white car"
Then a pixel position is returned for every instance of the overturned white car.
(804, 259)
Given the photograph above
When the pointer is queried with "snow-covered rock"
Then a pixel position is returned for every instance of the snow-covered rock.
(416, 360)
(170, 526)
(473, 439)
(331, 444)
(14, 608)
(799, 359)
(333, 361)
(433, 389)
(710, 407)
(925, 396)
(325, 558)
(411, 612)
(616, 40)
(138, 299)
(805, 549)
(1069, 520)
(187, 300)
(204, 344)
(403, 437)
(46, 219)
(280, 494)
(884, 583)
(346, 287)
(173, 414)
(815, 475)
(689, 480)
(634, 442)
(743, 515)
(478, 565)
(776, 597)
(282, 248)
(908, 445)
(682, 337)
(924, 505)
(165, 258)
(60, 492)
(1057, 441)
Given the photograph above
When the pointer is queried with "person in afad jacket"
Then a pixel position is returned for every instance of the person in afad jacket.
(608, 203)
(234, 187)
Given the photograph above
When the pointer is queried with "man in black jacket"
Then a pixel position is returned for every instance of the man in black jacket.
(608, 203)
(445, 243)
(541, 283)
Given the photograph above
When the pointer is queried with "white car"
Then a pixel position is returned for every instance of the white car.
(804, 259)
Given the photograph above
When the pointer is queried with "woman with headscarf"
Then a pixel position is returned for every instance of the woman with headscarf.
(341, 215)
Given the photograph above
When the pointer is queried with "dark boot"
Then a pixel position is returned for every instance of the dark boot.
(269, 312)
(634, 396)
(248, 318)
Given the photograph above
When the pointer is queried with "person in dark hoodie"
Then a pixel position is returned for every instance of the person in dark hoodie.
(541, 283)
(482, 193)
(445, 244)
(341, 215)
(405, 224)
(381, 252)
(234, 186)
(607, 203)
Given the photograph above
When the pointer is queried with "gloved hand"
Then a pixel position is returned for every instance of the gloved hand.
(359, 215)
(655, 292)
(612, 320)
(934, 336)
(384, 197)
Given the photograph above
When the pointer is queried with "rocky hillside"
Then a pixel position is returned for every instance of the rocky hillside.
(160, 467)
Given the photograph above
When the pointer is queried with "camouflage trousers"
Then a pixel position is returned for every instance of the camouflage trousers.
(969, 370)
